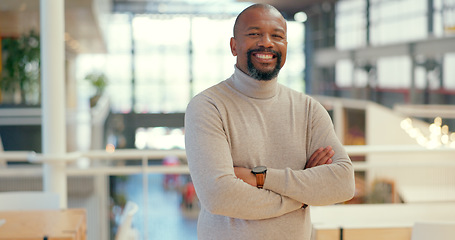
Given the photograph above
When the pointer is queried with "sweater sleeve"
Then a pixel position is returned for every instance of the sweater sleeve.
(211, 167)
(321, 185)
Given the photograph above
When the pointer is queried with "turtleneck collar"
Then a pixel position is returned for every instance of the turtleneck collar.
(252, 87)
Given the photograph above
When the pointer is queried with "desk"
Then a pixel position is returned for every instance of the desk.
(68, 224)
(376, 221)
(427, 194)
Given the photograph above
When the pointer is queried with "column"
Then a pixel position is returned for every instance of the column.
(53, 131)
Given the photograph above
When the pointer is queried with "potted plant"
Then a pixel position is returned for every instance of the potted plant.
(99, 82)
(20, 76)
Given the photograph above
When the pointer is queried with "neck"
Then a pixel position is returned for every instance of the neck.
(253, 88)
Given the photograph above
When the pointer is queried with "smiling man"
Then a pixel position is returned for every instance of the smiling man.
(260, 153)
(260, 44)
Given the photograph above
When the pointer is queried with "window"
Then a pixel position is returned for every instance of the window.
(175, 57)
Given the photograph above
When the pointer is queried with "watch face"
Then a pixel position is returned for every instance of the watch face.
(260, 169)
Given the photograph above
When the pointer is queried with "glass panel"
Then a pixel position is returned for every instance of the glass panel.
(212, 58)
(394, 72)
(398, 21)
(350, 24)
(116, 65)
(291, 74)
(360, 77)
(343, 73)
(161, 63)
(120, 97)
(449, 71)
(448, 16)
(420, 78)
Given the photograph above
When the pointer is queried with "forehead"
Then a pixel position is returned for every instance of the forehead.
(259, 18)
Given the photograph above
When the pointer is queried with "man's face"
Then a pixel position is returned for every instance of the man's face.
(260, 43)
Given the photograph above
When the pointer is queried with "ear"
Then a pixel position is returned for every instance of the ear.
(233, 46)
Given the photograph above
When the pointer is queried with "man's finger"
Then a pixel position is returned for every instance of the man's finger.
(329, 154)
(320, 157)
(315, 154)
(323, 156)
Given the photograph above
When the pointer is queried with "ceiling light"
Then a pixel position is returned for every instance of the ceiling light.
(300, 17)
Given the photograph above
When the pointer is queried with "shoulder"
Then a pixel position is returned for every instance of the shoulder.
(210, 97)
(297, 96)
(303, 101)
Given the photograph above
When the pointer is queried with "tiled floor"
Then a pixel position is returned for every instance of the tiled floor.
(164, 218)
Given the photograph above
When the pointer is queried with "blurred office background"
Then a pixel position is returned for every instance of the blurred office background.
(384, 69)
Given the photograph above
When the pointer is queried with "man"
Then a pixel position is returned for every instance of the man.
(255, 148)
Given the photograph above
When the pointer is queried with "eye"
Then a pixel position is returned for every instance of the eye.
(253, 34)
(277, 36)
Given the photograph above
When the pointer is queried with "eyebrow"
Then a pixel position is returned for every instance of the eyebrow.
(276, 29)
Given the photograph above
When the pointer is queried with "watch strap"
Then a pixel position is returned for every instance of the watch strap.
(260, 179)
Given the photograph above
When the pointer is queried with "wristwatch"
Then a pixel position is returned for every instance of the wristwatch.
(260, 172)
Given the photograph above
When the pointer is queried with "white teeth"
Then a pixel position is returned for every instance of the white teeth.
(264, 56)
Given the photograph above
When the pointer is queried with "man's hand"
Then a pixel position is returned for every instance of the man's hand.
(246, 175)
(320, 157)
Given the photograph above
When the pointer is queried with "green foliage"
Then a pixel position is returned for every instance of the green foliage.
(98, 81)
(21, 70)
(120, 199)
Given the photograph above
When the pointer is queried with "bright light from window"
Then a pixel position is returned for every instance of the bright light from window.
(175, 58)
(162, 138)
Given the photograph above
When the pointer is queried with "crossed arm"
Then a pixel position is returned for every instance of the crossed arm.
(320, 157)
(211, 165)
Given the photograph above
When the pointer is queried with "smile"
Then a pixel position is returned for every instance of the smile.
(264, 56)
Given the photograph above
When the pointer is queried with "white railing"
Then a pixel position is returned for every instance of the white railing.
(363, 150)
(95, 156)
(146, 155)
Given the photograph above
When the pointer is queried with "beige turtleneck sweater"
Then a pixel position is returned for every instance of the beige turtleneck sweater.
(245, 122)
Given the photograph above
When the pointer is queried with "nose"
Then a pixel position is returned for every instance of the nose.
(265, 41)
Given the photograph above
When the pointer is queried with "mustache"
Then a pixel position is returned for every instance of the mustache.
(262, 49)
